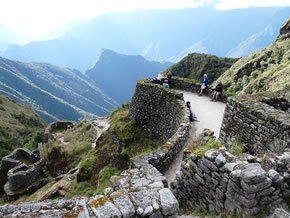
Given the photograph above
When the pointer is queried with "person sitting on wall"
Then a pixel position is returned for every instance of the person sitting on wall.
(217, 92)
(165, 84)
(204, 84)
(192, 117)
(169, 79)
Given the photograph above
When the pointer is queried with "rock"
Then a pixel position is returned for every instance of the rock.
(275, 177)
(280, 213)
(107, 210)
(253, 173)
(220, 160)
(257, 187)
(148, 211)
(229, 167)
(169, 203)
(211, 154)
(124, 204)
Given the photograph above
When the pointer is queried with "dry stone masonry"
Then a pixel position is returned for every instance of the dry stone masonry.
(56, 125)
(221, 182)
(23, 169)
(156, 109)
(262, 124)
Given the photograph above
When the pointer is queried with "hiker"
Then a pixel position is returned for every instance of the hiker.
(217, 91)
(165, 84)
(204, 84)
(169, 79)
(192, 117)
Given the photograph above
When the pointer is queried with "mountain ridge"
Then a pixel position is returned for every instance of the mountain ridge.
(54, 92)
(180, 29)
(117, 73)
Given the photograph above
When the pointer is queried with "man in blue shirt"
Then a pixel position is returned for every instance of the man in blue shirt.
(204, 84)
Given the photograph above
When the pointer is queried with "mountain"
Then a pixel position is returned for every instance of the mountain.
(54, 92)
(19, 126)
(266, 71)
(117, 74)
(159, 35)
(193, 66)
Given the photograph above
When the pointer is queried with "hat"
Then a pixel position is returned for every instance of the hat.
(205, 75)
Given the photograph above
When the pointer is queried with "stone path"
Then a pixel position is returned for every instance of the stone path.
(209, 115)
(101, 124)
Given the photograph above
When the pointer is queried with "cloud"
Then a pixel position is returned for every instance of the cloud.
(43, 18)
(232, 4)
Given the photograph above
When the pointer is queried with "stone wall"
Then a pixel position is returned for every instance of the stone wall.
(22, 169)
(260, 126)
(220, 182)
(56, 125)
(156, 109)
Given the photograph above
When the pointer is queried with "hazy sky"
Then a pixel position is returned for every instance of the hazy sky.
(39, 19)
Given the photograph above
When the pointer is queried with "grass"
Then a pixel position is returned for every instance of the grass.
(81, 189)
(19, 126)
(238, 149)
(105, 175)
(200, 147)
(269, 73)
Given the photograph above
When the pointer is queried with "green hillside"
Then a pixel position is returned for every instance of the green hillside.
(267, 71)
(19, 126)
(195, 65)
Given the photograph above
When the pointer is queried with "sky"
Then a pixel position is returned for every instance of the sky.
(29, 20)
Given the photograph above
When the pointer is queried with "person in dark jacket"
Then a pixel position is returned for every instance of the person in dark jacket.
(203, 84)
(217, 91)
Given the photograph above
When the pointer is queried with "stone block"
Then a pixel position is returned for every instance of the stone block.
(169, 203)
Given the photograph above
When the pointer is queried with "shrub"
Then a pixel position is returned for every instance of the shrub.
(87, 166)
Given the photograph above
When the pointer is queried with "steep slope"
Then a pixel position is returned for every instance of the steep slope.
(265, 71)
(54, 92)
(167, 33)
(19, 126)
(117, 74)
(195, 65)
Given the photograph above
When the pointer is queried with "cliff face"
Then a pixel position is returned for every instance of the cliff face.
(266, 71)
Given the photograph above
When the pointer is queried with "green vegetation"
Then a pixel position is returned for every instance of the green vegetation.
(265, 72)
(87, 166)
(200, 147)
(195, 65)
(111, 155)
(105, 175)
(238, 149)
(136, 139)
(76, 144)
(81, 189)
(19, 126)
